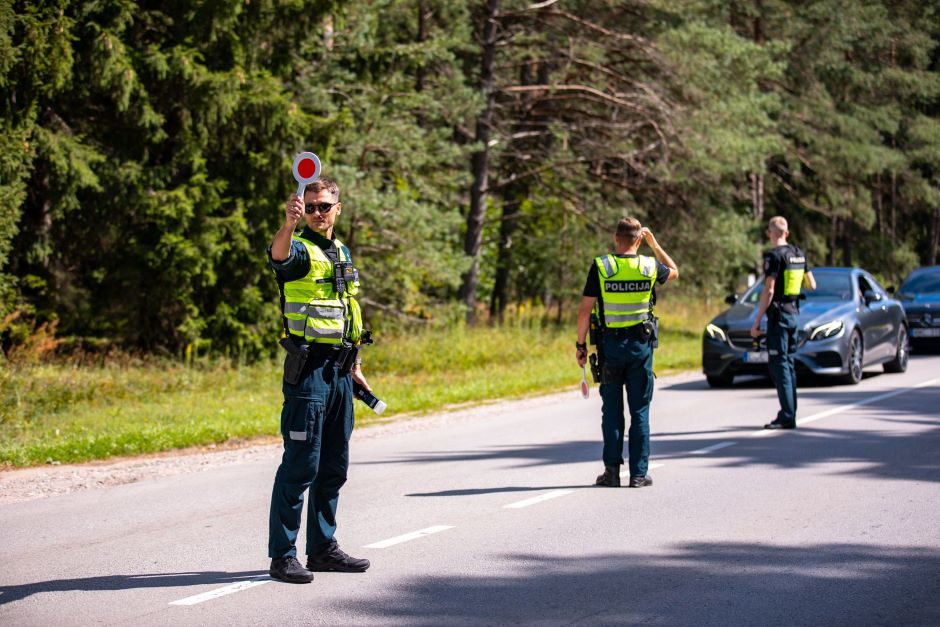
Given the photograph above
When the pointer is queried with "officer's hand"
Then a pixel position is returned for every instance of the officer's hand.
(581, 356)
(755, 330)
(647, 236)
(360, 378)
(294, 211)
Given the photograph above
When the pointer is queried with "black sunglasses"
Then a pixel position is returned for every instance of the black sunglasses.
(322, 207)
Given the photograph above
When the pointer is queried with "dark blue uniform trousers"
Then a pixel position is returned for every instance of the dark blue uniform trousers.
(781, 345)
(629, 364)
(316, 423)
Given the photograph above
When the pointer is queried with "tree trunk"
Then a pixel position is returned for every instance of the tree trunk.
(879, 203)
(833, 229)
(757, 195)
(479, 165)
(420, 37)
(934, 238)
(847, 243)
(504, 259)
(516, 192)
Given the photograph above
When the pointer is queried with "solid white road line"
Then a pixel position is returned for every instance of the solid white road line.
(221, 592)
(414, 535)
(538, 499)
(713, 447)
(838, 410)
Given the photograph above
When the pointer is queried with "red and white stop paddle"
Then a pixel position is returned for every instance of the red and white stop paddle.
(585, 390)
(306, 170)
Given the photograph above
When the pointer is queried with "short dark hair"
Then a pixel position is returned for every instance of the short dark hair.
(628, 230)
(324, 184)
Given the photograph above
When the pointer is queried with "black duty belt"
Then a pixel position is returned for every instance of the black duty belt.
(634, 332)
(318, 350)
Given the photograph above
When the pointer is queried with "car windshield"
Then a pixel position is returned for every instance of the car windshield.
(922, 283)
(829, 286)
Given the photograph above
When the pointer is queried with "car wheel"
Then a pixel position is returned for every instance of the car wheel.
(856, 352)
(724, 380)
(899, 363)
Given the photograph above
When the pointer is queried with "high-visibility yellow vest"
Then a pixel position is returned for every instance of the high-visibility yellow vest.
(312, 309)
(626, 289)
(793, 271)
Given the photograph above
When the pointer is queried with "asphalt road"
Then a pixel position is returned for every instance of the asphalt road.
(835, 523)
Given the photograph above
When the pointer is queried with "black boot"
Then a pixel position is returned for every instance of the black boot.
(610, 478)
(334, 558)
(641, 481)
(289, 569)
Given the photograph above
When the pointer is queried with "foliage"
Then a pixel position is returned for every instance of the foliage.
(484, 150)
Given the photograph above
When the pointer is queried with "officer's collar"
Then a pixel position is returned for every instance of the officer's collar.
(626, 255)
(312, 236)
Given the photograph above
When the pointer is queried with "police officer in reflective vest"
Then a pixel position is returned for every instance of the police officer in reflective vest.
(619, 292)
(785, 272)
(322, 321)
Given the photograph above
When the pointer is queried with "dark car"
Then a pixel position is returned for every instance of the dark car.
(848, 323)
(920, 295)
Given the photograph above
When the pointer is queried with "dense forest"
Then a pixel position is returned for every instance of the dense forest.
(484, 149)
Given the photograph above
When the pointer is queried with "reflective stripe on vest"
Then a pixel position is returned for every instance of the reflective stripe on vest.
(626, 288)
(312, 309)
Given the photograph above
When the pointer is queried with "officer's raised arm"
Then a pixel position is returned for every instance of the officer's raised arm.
(293, 213)
(661, 255)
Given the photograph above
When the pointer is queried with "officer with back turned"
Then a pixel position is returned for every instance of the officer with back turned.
(619, 293)
(785, 272)
(322, 331)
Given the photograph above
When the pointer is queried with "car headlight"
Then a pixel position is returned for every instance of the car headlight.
(715, 332)
(828, 331)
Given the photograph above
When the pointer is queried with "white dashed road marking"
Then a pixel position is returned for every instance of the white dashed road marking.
(414, 535)
(221, 592)
(713, 447)
(538, 499)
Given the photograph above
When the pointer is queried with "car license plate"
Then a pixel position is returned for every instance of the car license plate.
(756, 357)
(925, 332)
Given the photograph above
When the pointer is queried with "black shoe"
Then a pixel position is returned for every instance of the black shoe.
(777, 424)
(641, 481)
(610, 478)
(289, 569)
(335, 559)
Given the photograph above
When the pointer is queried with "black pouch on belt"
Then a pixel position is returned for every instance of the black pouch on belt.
(653, 323)
(346, 357)
(295, 360)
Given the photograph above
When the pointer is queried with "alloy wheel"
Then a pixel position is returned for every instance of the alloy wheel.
(855, 358)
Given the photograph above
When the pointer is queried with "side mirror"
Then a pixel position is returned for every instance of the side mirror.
(731, 299)
(871, 297)
(891, 289)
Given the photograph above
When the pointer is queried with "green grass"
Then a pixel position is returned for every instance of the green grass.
(60, 413)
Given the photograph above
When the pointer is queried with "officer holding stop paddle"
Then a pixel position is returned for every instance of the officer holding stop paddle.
(322, 333)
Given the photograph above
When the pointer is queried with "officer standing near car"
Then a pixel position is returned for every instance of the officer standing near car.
(620, 293)
(785, 272)
(322, 331)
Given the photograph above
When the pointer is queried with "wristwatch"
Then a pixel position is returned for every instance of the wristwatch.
(581, 346)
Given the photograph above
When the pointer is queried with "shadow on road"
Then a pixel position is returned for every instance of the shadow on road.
(876, 453)
(691, 584)
(8, 594)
